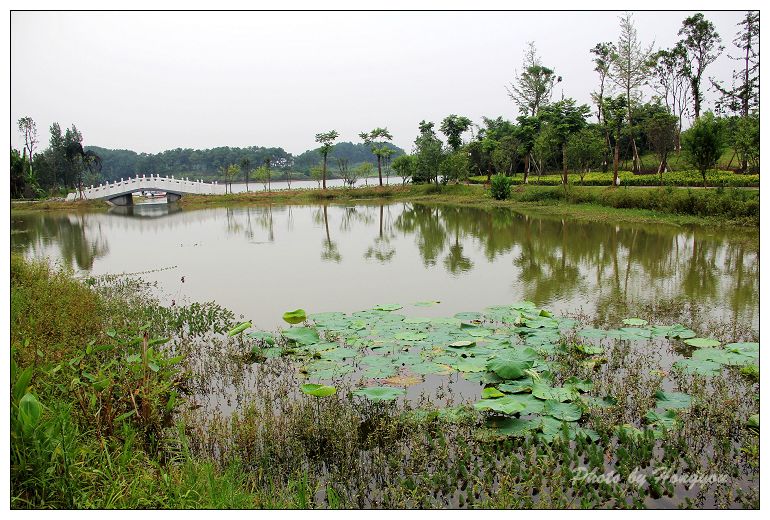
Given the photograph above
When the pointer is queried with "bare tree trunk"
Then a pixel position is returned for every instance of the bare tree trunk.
(615, 161)
(379, 170)
(324, 172)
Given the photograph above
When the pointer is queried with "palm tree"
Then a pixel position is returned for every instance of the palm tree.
(89, 159)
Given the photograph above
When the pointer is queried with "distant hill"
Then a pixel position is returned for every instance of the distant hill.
(180, 162)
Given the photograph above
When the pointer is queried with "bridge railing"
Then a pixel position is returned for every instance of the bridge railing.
(151, 182)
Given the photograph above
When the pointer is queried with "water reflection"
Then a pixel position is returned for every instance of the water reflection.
(146, 210)
(77, 240)
(331, 257)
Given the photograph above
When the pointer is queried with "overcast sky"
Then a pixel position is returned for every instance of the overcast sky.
(149, 81)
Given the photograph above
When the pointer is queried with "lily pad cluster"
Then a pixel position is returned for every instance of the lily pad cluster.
(505, 347)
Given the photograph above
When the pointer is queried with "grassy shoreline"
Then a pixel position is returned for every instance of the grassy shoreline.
(678, 206)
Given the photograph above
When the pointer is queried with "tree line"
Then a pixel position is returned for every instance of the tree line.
(546, 135)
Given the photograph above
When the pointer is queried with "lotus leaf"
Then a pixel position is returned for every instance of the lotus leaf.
(546, 392)
(722, 356)
(635, 322)
(409, 336)
(678, 331)
(302, 335)
(506, 405)
(491, 393)
(577, 384)
(666, 420)
(380, 393)
(318, 390)
(428, 303)
(562, 411)
(702, 342)
(261, 336)
(294, 317)
(512, 363)
(388, 307)
(512, 426)
(672, 400)
(699, 366)
(462, 344)
(469, 316)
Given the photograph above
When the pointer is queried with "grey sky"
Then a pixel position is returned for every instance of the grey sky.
(149, 81)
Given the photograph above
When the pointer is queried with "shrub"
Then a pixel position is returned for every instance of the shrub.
(500, 187)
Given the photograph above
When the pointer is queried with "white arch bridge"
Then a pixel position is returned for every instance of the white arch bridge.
(119, 192)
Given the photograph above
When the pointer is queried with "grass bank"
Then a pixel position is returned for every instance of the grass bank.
(714, 206)
(681, 179)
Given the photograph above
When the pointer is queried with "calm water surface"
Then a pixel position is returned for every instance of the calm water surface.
(262, 261)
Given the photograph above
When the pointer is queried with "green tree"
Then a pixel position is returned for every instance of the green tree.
(545, 148)
(630, 70)
(428, 154)
(533, 86)
(661, 130)
(585, 150)
(565, 118)
(326, 139)
(349, 176)
(317, 173)
(453, 127)
(527, 132)
(246, 169)
(28, 130)
(82, 160)
(404, 166)
(704, 143)
(671, 83)
(506, 154)
(615, 113)
(377, 140)
(18, 174)
(745, 141)
(364, 170)
(455, 166)
(702, 43)
(603, 53)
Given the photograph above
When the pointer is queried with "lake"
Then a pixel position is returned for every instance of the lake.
(263, 260)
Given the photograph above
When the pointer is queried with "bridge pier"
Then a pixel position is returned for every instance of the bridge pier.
(122, 200)
(172, 197)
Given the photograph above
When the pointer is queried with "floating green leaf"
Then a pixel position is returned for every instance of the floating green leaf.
(512, 426)
(318, 390)
(302, 335)
(702, 342)
(294, 317)
(672, 400)
(428, 303)
(563, 411)
(388, 307)
(507, 405)
(547, 392)
(512, 363)
(491, 393)
(262, 336)
(380, 393)
(699, 366)
(635, 322)
(462, 344)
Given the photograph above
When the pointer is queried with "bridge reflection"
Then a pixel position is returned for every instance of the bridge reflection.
(146, 210)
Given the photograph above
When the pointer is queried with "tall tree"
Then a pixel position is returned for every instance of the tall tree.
(671, 84)
(246, 169)
(704, 143)
(743, 97)
(528, 130)
(326, 139)
(82, 159)
(453, 127)
(661, 131)
(28, 130)
(532, 88)
(377, 140)
(565, 118)
(703, 46)
(602, 63)
(615, 113)
(630, 70)
(427, 153)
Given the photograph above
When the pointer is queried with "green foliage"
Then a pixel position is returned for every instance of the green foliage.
(455, 166)
(453, 127)
(404, 166)
(744, 138)
(500, 187)
(585, 150)
(428, 155)
(704, 143)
